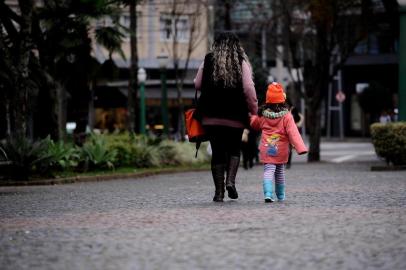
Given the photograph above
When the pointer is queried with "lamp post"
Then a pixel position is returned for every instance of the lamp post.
(402, 60)
(163, 62)
(142, 76)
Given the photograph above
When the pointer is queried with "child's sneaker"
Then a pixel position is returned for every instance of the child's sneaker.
(268, 191)
(269, 200)
(280, 192)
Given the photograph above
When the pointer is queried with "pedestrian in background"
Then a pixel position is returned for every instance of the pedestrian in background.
(278, 132)
(249, 147)
(226, 100)
(384, 118)
(299, 119)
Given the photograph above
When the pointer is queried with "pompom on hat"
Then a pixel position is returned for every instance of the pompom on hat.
(275, 93)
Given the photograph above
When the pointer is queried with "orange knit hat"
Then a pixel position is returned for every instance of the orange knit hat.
(275, 93)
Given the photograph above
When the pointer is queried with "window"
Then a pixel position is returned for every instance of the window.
(168, 30)
(182, 27)
(125, 21)
(105, 21)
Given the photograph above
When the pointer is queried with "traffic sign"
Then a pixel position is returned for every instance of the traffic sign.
(340, 96)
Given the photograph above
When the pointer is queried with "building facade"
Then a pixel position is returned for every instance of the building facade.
(176, 31)
(374, 61)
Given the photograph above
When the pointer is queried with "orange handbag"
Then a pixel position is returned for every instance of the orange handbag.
(194, 128)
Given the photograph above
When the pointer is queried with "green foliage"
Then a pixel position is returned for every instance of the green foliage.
(133, 150)
(27, 157)
(390, 141)
(184, 153)
(96, 155)
(145, 156)
(167, 152)
(45, 158)
(122, 145)
(110, 38)
(63, 156)
(145, 152)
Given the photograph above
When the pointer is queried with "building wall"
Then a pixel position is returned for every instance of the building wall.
(151, 43)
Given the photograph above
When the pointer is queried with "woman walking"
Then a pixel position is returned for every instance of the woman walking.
(227, 99)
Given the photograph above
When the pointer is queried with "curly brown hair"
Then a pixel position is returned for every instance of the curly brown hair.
(227, 55)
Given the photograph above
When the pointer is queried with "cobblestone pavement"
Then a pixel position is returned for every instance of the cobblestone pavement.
(349, 151)
(337, 216)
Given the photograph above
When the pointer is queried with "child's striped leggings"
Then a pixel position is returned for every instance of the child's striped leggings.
(274, 172)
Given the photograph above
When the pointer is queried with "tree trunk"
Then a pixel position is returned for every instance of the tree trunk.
(132, 89)
(19, 112)
(314, 128)
(91, 107)
(316, 77)
(20, 101)
(61, 111)
(181, 116)
(8, 118)
(53, 108)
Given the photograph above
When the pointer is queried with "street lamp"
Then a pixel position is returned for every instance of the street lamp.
(142, 76)
(402, 60)
(163, 62)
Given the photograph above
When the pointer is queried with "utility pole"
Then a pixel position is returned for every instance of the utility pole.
(337, 108)
(402, 60)
(132, 87)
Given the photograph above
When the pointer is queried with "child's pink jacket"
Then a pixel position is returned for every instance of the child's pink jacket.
(277, 134)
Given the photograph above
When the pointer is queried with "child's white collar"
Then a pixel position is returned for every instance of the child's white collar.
(273, 115)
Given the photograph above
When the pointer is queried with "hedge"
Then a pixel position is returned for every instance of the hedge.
(26, 159)
(389, 141)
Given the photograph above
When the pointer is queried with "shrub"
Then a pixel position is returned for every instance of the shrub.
(122, 145)
(390, 141)
(145, 156)
(142, 152)
(185, 153)
(45, 157)
(133, 150)
(96, 155)
(145, 152)
(168, 153)
(63, 156)
(27, 157)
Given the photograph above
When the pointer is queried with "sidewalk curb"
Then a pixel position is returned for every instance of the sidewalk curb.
(95, 178)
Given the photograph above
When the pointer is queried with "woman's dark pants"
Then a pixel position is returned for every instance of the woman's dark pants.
(226, 146)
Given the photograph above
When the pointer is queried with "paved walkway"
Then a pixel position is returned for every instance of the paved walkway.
(337, 216)
(339, 152)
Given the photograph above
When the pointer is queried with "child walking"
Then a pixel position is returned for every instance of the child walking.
(278, 132)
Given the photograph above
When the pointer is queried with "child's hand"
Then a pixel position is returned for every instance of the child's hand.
(245, 135)
(255, 122)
